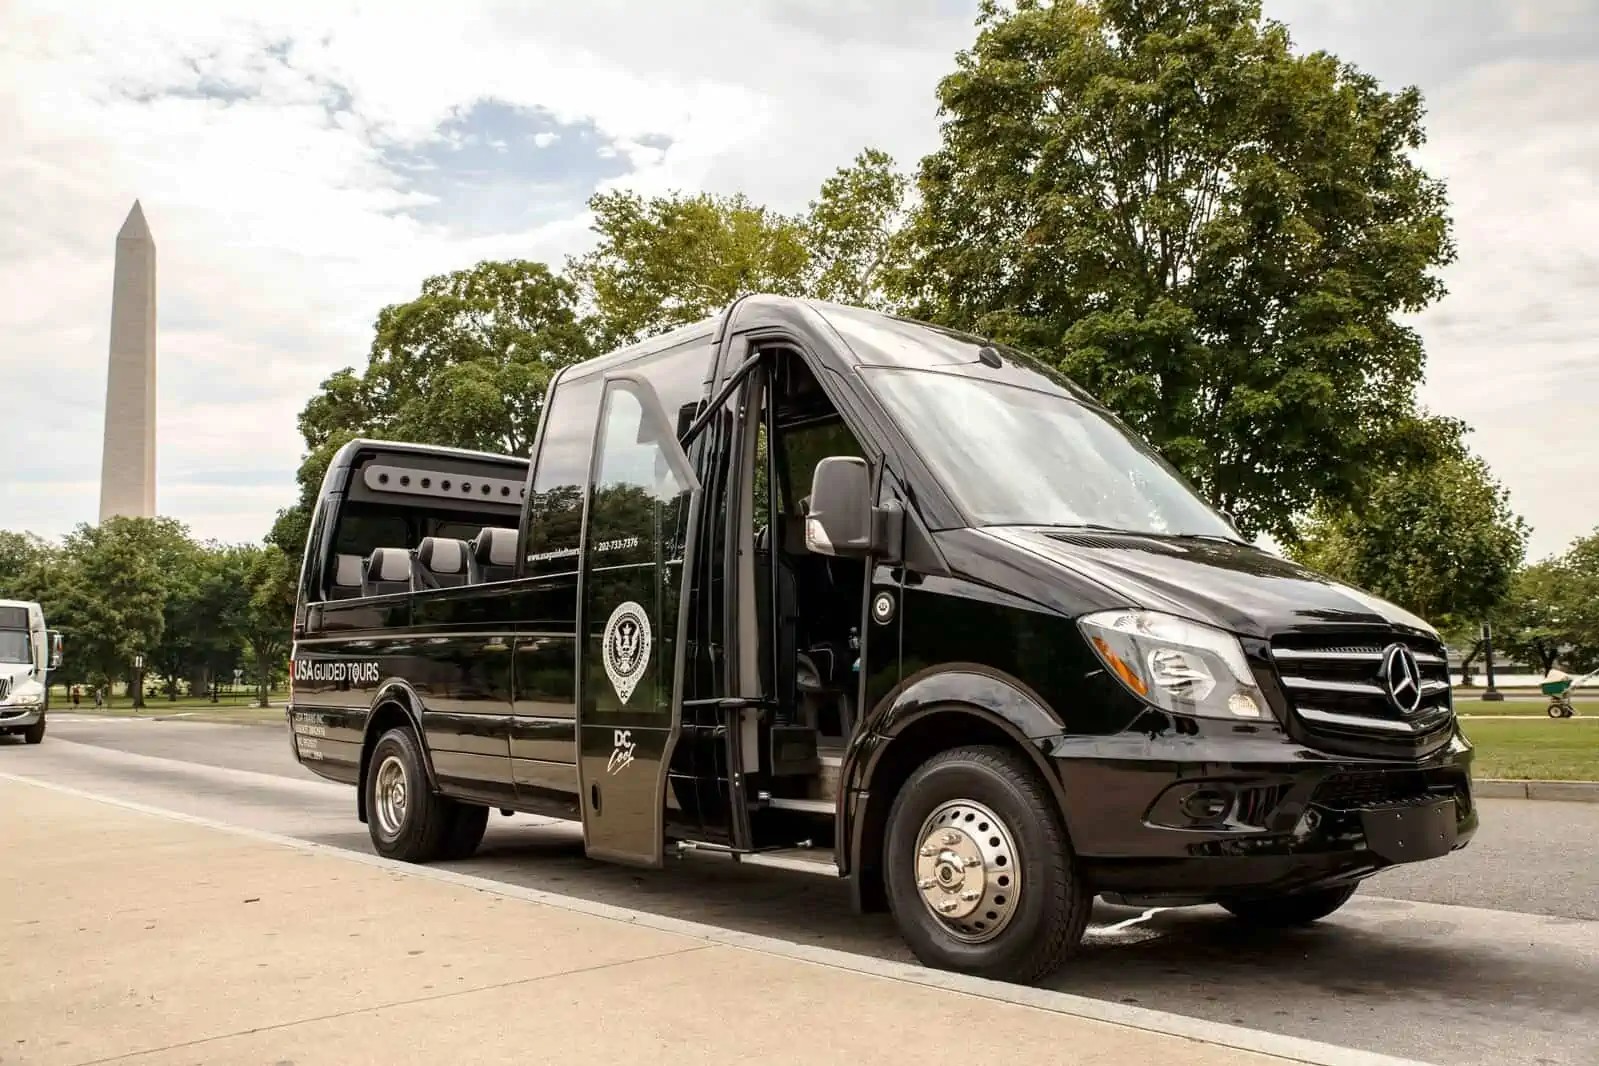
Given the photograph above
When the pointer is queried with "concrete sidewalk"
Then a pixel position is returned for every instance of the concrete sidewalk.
(127, 936)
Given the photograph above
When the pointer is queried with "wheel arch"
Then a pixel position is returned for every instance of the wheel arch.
(395, 705)
(933, 712)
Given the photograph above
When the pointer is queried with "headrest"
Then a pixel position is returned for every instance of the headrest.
(495, 546)
(347, 571)
(442, 555)
(389, 564)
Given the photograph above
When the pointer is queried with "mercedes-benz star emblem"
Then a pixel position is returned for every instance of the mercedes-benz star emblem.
(1401, 676)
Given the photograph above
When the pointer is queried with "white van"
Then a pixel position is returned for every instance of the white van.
(28, 652)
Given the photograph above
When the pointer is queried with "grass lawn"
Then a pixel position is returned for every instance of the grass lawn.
(1564, 750)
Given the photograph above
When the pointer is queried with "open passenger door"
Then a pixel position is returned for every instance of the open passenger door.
(640, 515)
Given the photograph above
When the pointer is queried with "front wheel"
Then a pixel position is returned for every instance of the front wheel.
(980, 875)
(404, 817)
(1299, 908)
(34, 734)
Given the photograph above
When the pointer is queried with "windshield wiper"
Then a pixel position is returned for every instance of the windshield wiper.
(1208, 536)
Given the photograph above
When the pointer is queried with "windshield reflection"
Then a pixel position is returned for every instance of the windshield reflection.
(1018, 456)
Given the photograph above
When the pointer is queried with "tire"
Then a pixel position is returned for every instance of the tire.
(1299, 908)
(1040, 921)
(467, 824)
(412, 825)
(1554, 710)
(34, 734)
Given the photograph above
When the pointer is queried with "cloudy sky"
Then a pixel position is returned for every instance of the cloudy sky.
(303, 164)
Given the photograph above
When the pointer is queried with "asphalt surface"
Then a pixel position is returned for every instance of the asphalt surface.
(1488, 956)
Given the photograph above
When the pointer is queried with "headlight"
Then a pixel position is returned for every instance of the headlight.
(31, 696)
(1176, 665)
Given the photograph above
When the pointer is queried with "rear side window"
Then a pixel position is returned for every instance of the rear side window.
(555, 506)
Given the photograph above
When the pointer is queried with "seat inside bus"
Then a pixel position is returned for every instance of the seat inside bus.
(436, 563)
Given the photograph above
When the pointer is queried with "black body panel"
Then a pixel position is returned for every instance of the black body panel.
(978, 642)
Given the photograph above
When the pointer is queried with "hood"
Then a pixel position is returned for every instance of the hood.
(1238, 587)
(15, 673)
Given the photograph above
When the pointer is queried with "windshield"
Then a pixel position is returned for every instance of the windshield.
(14, 646)
(1017, 456)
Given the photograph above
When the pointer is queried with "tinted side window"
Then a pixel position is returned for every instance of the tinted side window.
(555, 506)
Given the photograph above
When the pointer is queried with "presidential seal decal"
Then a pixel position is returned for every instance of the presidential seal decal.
(626, 648)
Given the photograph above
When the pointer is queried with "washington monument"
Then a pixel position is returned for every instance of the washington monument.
(127, 464)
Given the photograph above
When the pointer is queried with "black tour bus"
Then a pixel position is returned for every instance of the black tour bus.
(889, 601)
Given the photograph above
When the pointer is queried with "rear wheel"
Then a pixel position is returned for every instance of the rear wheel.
(34, 734)
(1299, 908)
(405, 818)
(980, 875)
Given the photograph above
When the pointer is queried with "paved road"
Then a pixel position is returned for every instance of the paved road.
(1488, 956)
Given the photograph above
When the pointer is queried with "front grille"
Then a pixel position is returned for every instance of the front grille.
(1335, 689)
(5, 688)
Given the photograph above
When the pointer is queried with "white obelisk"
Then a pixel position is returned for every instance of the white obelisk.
(127, 465)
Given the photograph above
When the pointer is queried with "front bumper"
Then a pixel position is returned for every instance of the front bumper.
(1202, 817)
(20, 717)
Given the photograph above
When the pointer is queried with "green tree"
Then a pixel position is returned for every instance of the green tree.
(671, 260)
(1212, 233)
(1435, 535)
(263, 615)
(27, 562)
(1551, 616)
(186, 622)
(109, 597)
(465, 364)
(852, 232)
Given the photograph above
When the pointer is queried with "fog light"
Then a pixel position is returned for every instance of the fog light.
(1206, 805)
(1243, 705)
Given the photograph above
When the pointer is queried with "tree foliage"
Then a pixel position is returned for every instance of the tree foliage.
(465, 363)
(143, 586)
(667, 261)
(1435, 534)
(468, 361)
(853, 232)
(1551, 616)
(1210, 232)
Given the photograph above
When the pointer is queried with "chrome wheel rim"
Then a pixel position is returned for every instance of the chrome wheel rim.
(390, 795)
(967, 871)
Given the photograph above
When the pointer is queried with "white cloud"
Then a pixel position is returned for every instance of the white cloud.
(257, 138)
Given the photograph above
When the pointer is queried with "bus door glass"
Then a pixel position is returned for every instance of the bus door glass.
(639, 523)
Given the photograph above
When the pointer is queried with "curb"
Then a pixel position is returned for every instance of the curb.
(1569, 791)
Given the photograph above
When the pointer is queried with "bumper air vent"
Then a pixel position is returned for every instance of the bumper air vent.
(1363, 789)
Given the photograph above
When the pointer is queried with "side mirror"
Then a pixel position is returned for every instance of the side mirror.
(55, 650)
(842, 520)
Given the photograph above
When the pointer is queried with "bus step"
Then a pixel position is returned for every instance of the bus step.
(818, 861)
